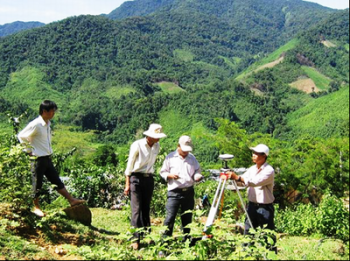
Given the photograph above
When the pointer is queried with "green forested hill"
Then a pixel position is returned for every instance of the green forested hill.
(110, 75)
(268, 22)
(134, 51)
(323, 48)
(316, 62)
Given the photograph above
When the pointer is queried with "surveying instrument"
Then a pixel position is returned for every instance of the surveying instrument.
(219, 196)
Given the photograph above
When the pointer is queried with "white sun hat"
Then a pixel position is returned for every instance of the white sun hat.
(155, 131)
(261, 148)
(186, 144)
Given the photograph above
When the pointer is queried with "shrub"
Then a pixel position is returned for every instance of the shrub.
(330, 219)
(15, 179)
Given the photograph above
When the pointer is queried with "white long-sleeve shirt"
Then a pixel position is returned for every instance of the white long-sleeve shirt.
(142, 157)
(260, 183)
(37, 137)
(186, 168)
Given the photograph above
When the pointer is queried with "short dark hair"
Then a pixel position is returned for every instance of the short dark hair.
(47, 105)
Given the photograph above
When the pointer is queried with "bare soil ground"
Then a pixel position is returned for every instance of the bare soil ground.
(306, 85)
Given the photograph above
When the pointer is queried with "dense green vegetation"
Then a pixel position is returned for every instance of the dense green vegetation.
(269, 22)
(116, 77)
(219, 71)
(314, 119)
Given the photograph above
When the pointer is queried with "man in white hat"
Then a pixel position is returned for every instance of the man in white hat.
(259, 179)
(139, 178)
(181, 170)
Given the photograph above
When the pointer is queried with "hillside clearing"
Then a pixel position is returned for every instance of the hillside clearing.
(321, 81)
(271, 60)
(271, 64)
(169, 87)
(306, 85)
(328, 44)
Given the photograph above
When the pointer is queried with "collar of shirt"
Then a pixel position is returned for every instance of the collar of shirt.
(261, 168)
(144, 141)
(177, 154)
(43, 122)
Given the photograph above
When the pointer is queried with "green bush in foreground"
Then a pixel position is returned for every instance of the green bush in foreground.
(330, 219)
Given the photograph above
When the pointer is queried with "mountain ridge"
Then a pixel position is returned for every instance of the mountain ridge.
(11, 28)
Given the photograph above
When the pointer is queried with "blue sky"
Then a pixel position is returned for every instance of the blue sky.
(47, 11)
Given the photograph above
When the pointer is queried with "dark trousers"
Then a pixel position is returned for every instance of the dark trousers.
(179, 199)
(260, 215)
(141, 192)
(43, 166)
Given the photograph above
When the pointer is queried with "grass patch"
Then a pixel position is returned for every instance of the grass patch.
(58, 238)
(65, 138)
(346, 46)
(116, 92)
(184, 55)
(170, 87)
(310, 248)
(322, 82)
(277, 54)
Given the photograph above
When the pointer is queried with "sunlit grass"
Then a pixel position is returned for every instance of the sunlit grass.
(271, 58)
(109, 239)
(322, 82)
(65, 138)
(184, 55)
(170, 87)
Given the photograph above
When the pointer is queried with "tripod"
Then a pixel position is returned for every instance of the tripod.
(219, 196)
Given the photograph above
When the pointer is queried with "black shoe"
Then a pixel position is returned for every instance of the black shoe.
(185, 238)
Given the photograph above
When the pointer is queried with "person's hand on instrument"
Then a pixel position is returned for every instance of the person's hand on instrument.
(225, 176)
(232, 175)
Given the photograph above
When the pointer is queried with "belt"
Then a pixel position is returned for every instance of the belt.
(139, 174)
(259, 204)
(45, 157)
(182, 189)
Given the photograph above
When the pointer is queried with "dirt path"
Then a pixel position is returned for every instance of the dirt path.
(270, 65)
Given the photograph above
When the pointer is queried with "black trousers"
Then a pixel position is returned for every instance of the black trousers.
(260, 215)
(179, 199)
(141, 192)
(43, 166)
